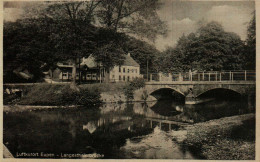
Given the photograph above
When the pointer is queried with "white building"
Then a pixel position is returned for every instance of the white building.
(129, 70)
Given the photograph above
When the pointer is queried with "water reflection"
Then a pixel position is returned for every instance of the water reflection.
(139, 130)
(157, 145)
(171, 110)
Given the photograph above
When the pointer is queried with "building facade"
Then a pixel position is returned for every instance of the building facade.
(128, 71)
(90, 71)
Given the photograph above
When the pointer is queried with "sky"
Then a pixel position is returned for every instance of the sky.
(180, 16)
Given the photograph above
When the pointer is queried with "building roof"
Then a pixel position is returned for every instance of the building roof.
(90, 62)
(23, 74)
(66, 64)
(129, 61)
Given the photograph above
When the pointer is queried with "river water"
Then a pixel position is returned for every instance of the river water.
(137, 130)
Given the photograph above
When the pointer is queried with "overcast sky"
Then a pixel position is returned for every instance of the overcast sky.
(181, 16)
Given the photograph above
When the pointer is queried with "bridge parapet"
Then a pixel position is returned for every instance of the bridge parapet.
(239, 75)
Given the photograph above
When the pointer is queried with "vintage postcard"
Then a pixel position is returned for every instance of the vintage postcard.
(129, 79)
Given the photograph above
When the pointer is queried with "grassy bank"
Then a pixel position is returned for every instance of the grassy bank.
(54, 94)
(229, 138)
(62, 94)
(106, 87)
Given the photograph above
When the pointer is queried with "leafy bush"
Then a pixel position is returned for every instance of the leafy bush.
(129, 92)
(135, 84)
(47, 94)
(89, 96)
(69, 96)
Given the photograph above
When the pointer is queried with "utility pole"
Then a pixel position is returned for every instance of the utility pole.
(147, 69)
(100, 75)
(79, 72)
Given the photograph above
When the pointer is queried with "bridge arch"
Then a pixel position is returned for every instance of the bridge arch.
(166, 93)
(152, 89)
(234, 91)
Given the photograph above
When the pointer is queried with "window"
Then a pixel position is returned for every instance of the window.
(119, 77)
(128, 78)
(124, 70)
(123, 78)
(128, 70)
(119, 69)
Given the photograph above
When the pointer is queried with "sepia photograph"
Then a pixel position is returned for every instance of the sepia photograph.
(129, 79)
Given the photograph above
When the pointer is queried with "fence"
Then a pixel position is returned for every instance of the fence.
(245, 75)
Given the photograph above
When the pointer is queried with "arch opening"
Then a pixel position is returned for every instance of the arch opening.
(168, 94)
(221, 94)
(167, 101)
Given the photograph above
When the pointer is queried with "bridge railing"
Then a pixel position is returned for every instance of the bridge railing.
(245, 75)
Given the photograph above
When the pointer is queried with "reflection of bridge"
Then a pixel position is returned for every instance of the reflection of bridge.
(193, 85)
(168, 123)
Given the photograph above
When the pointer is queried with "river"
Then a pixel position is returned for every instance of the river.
(111, 131)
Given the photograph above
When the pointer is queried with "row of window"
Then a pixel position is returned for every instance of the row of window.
(69, 74)
(124, 78)
(84, 77)
(128, 70)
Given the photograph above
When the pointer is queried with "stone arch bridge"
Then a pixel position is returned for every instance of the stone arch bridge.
(192, 90)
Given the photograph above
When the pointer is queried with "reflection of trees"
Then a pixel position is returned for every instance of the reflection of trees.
(72, 131)
(110, 108)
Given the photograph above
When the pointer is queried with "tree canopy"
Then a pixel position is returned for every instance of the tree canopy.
(137, 17)
(142, 52)
(58, 31)
(25, 48)
(250, 47)
(209, 48)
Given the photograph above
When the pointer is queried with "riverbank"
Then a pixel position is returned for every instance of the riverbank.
(228, 138)
(20, 108)
(61, 94)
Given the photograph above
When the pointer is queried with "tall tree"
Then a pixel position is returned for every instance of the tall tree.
(138, 17)
(109, 50)
(250, 47)
(26, 47)
(143, 53)
(68, 24)
(209, 48)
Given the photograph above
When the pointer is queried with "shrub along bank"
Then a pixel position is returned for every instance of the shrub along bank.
(51, 94)
(132, 86)
(62, 94)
